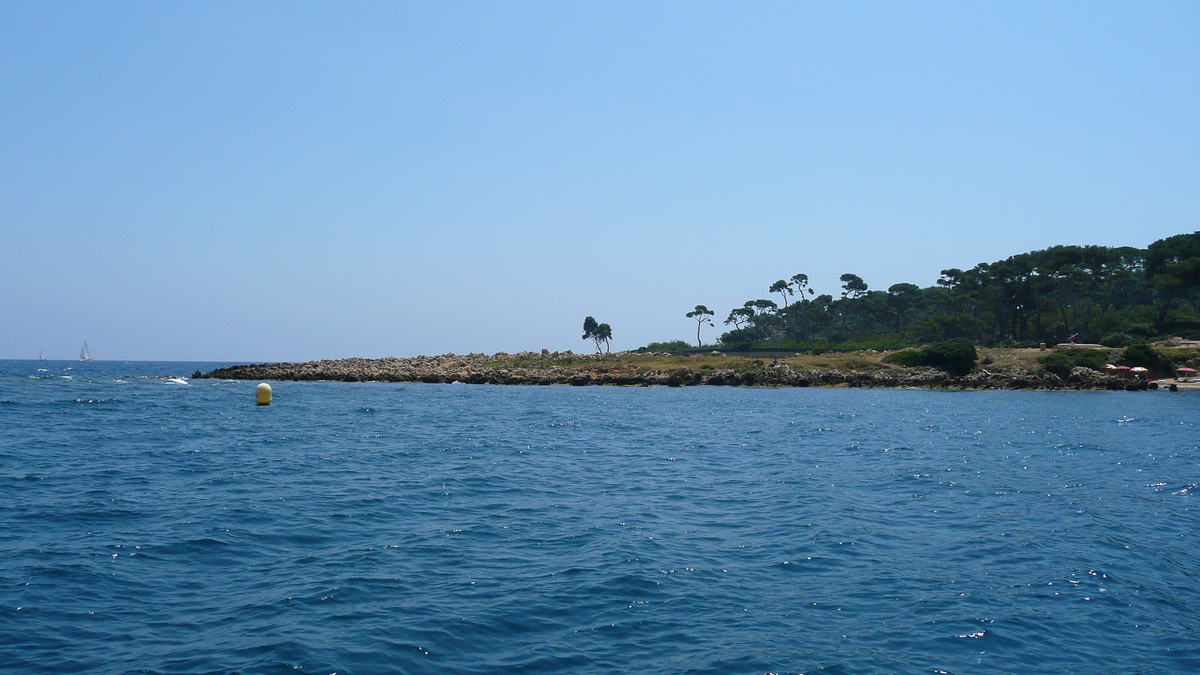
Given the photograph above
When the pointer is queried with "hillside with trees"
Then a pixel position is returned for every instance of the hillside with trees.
(1113, 296)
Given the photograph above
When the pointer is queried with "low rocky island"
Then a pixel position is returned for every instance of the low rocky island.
(998, 369)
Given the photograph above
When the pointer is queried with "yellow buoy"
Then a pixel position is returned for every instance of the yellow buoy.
(262, 394)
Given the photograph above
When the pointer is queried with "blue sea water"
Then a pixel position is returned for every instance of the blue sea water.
(155, 527)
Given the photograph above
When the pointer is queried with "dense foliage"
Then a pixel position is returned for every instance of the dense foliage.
(1062, 362)
(956, 356)
(674, 346)
(1146, 357)
(600, 333)
(1096, 294)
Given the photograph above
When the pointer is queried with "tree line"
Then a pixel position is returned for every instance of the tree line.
(1109, 295)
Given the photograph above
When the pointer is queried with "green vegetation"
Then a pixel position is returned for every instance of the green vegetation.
(674, 346)
(600, 333)
(910, 358)
(956, 357)
(1062, 362)
(701, 314)
(1095, 294)
(1146, 357)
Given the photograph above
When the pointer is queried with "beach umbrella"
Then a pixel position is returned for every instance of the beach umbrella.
(1138, 369)
(1121, 368)
(1185, 369)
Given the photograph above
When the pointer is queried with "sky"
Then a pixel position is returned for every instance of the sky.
(259, 181)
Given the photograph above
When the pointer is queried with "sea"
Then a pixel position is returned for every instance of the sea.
(154, 525)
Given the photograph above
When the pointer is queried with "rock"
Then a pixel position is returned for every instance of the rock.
(1084, 375)
(569, 369)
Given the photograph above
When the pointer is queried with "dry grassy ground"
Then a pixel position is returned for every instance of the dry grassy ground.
(995, 360)
(997, 369)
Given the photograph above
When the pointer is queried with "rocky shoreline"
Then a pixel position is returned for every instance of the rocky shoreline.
(548, 368)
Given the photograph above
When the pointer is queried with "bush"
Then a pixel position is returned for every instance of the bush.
(956, 357)
(1062, 362)
(1059, 363)
(904, 357)
(1091, 358)
(670, 347)
(1143, 355)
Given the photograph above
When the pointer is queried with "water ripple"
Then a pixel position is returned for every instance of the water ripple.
(375, 528)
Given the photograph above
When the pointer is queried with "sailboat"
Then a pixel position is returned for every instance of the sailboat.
(83, 353)
(41, 356)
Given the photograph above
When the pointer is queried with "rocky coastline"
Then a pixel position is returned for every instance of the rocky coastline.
(640, 370)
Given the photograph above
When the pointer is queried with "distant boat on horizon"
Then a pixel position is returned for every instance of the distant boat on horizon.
(84, 355)
(41, 356)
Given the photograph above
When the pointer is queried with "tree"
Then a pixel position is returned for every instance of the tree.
(902, 298)
(604, 334)
(854, 286)
(761, 307)
(701, 314)
(783, 288)
(739, 316)
(600, 333)
(800, 283)
(1093, 293)
(950, 278)
(1171, 266)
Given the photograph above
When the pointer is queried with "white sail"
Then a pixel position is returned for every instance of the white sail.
(83, 353)
(41, 356)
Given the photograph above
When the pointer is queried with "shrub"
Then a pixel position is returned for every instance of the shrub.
(1062, 362)
(670, 347)
(1059, 363)
(904, 357)
(956, 357)
(1143, 355)
(1091, 358)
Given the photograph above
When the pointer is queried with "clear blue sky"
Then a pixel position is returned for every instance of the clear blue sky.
(284, 181)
